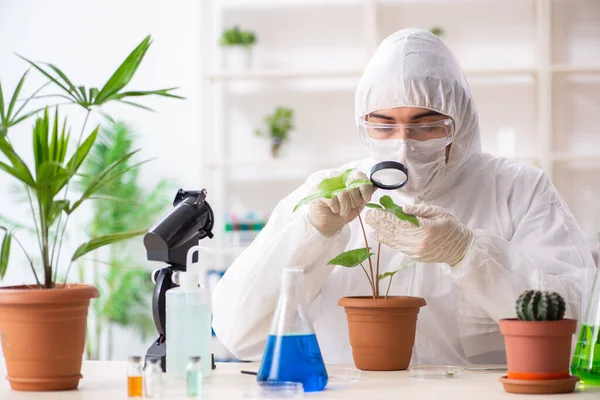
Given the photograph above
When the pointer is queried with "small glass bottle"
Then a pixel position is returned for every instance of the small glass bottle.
(134, 377)
(153, 378)
(194, 377)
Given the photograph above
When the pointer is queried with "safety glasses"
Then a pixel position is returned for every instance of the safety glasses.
(423, 137)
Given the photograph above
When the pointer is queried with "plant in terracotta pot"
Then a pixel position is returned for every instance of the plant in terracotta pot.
(279, 124)
(43, 324)
(538, 345)
(382, 328)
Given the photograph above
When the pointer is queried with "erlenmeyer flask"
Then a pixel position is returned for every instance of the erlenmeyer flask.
(586, 359)
(292, 353)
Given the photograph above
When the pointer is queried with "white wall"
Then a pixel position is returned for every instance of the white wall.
(88, 40)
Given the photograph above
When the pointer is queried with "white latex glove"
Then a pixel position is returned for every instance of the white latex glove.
(439, 238)
(328, 216)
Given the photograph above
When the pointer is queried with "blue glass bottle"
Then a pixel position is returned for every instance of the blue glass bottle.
(292, 353)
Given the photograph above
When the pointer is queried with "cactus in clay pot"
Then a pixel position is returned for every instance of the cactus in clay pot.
(535, 305)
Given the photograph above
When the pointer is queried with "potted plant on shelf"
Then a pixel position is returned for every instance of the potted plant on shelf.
(437, 31)
(538, 345)
(382, 328)
(237, 48)
(43, 324)
(279, 124)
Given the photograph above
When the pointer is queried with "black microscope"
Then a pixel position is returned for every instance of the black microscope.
(168, 241)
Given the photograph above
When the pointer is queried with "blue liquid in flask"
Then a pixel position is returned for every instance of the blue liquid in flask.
(294, 358)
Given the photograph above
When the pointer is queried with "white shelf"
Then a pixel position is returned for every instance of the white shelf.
(278, 163)
(278, 4)
(566, 69)
(349, 73)
(282, 74)
(576, 156)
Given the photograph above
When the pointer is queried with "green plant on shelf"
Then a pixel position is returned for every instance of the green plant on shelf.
(328, 189)
(278, 126)
(237, 37)
(437, 31)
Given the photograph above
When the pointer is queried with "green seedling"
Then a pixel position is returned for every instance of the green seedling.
(328, 189)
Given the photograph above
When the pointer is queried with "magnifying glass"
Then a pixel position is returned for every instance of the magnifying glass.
(389, 175)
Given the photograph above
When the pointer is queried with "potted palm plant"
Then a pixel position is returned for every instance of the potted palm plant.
(43, 323)
(382, 328)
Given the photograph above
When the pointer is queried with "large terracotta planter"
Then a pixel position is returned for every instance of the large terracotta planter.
(43, 335)
(538, 350)
(382, 331)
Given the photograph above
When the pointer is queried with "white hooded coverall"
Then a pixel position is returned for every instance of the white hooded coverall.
(520, 226)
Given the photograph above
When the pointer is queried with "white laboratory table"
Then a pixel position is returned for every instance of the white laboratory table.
(104, 380)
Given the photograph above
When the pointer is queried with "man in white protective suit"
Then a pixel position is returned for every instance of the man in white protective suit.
(488, 225)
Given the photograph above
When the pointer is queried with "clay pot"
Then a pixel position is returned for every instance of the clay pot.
(43, 335)
(382, 331)
(276, 144)
(538, 350)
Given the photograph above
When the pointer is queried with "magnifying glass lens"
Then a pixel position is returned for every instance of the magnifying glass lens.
(389, 175)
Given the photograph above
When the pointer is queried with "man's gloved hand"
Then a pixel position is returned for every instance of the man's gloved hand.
(328, 216)
(439, 238)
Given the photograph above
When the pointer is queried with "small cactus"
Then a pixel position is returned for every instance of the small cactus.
(533, 305)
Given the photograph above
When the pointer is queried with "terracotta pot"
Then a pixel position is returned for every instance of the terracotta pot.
(275, 147)
(43, 335)
(538, 350)
(382, 331)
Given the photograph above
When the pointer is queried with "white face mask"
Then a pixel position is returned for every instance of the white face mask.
(425, 161)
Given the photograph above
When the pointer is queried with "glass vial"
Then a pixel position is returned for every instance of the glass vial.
(153, 379)
(134, 377)
(194, 377)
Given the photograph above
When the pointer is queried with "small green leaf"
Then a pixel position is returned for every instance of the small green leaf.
(4, 253)
(351, 258)
(373, 205)
(57, 207)
(330, 184)
(388, 203)
(131, 103)
(159, 92)
(345, 175)
(19, 169)
(24, 117)
(124, 73)
(331, 194)
(72, 87)
(100, 241)
(392, 273)
(358, 183)
(2, 115)
(82, 151)
(317, 195)
(13, 101)
(74, 96)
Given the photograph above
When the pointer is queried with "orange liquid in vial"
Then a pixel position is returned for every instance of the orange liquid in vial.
(134, 386)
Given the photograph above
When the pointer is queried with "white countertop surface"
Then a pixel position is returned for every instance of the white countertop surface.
(108, 380)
